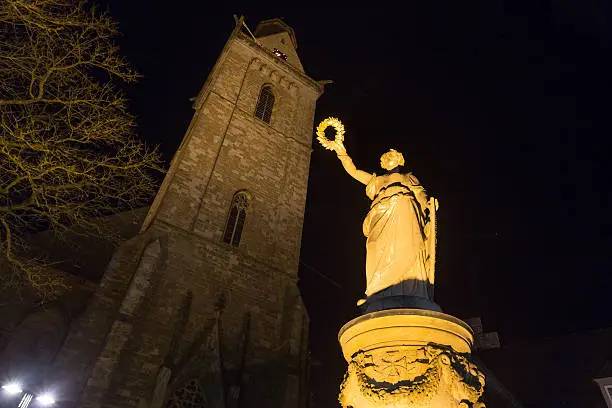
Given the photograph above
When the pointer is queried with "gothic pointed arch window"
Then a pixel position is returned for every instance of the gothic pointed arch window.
(189, 396)
(265, 103)
(236, 217)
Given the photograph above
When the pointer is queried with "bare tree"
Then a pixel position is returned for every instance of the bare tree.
(68, 152)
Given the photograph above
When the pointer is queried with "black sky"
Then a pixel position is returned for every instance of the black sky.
(502, 110)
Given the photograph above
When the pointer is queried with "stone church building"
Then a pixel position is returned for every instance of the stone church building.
(199, 307)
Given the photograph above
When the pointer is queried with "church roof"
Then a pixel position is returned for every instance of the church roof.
(275, 26)
(84, 255)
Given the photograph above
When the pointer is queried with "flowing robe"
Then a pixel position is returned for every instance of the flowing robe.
(395, 231)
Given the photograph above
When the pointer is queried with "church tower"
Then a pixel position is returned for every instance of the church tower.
(202, 309)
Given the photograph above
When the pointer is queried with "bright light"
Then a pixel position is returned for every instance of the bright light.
(12, 388)
(46, 399)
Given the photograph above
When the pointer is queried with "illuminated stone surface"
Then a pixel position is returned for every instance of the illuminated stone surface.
(409, 358)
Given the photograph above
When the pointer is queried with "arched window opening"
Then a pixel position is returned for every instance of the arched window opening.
(236, 218)
(265, 103)
(190, 396)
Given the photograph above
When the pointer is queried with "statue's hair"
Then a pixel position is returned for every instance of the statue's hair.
(390, 155)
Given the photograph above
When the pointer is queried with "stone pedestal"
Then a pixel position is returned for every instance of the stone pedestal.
(409, 358)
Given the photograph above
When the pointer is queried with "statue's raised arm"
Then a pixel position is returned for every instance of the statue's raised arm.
(337, 146)
(362, 176)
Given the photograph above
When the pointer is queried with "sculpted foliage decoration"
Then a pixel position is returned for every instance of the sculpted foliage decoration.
(412, 376)
(338, 127)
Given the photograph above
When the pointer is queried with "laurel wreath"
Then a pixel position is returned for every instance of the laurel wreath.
(337, 125)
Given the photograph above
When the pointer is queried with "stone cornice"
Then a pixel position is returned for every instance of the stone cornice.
(276, 62)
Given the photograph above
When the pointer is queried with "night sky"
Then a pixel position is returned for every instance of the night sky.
(502, 110)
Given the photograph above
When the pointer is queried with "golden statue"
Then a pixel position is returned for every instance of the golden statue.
(400, 226)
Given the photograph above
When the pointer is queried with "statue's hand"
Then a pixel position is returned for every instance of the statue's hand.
(339, 149)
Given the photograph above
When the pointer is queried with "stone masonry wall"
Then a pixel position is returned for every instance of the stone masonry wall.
(211, 271)
(228, 149)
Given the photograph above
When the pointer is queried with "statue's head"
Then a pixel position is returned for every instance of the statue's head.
(391, 160)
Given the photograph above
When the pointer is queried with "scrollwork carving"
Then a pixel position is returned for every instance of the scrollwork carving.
(412, 376)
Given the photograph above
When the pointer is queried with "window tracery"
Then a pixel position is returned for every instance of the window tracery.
(189, 396)
(236, 218)
(265, 103)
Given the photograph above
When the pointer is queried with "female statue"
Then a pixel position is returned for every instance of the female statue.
(400, 237)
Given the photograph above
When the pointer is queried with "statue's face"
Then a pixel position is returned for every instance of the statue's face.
(388, 163)
(391, 160)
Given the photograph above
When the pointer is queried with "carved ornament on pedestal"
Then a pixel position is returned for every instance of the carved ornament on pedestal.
(429, 376)
(409, 358)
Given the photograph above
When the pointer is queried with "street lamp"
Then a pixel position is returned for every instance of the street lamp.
(46, 399)
(14, 388)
